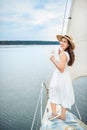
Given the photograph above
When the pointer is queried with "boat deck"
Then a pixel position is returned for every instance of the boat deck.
(71, 122)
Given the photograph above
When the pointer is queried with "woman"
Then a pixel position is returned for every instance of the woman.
(60, 87)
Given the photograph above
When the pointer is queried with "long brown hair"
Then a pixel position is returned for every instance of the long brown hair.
(71, 54)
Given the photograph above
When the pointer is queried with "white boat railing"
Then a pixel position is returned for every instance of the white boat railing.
(39, 102)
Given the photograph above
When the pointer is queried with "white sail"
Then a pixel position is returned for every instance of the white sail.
(77, 27)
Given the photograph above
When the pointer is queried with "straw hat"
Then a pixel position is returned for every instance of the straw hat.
(69, 38)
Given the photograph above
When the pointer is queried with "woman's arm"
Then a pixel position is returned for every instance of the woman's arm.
(60, 65)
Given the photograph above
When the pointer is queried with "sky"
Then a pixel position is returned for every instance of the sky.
(32, 19)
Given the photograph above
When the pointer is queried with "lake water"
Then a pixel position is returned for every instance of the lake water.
(22, 71)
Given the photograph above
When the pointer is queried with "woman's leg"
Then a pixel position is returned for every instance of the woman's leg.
(63, 114)
(54, 113)
(53, 108)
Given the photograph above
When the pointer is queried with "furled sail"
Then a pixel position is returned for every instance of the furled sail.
(77, 27)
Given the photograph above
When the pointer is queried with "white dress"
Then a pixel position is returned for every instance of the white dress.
(60, 87)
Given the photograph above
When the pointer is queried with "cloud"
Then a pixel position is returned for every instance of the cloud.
(24, 18)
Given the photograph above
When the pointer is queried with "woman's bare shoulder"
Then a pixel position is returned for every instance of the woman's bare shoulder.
(63, 55)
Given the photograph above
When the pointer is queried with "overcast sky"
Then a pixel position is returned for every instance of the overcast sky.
(32, 19)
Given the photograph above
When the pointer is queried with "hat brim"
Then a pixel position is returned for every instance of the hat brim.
(59, 37)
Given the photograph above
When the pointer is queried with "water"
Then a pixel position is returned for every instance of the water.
(80, 89)
(22, 70)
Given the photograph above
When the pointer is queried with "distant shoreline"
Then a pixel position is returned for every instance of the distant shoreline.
(29, 42)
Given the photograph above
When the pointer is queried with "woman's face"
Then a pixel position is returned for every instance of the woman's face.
(64, 44)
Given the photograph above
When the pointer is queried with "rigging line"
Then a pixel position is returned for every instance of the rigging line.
(78, 111)
(35, 112)
(38, 122)
(39, 101)
(64, 16)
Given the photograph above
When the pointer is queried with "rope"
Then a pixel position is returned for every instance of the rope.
(64, 17)
(44, 104)
(78, 112)
(38, 121)
(35, 113)
(39, 102)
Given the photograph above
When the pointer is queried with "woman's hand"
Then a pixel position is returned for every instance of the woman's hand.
(59, 50)
(52, 58)
(61, 64)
